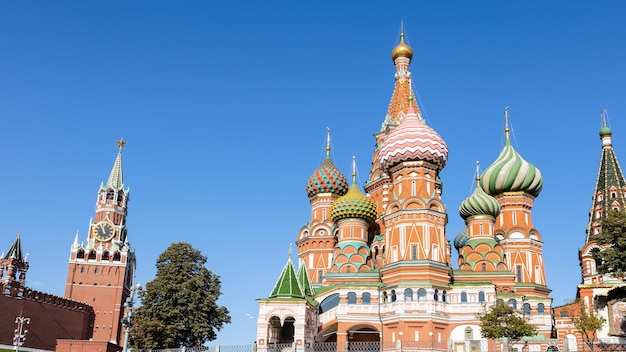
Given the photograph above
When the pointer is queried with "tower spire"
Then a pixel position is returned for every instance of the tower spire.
(116, 178)
(16, 250)
(328, 142)
(506, 124)
(477, 175)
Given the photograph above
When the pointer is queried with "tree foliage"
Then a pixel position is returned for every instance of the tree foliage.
(179, 307)
(586, 323)
(613, 240)
(504, 321)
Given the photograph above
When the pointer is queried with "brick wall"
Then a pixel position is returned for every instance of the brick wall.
(51, 317)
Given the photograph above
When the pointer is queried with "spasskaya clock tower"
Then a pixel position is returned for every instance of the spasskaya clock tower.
(101, 270)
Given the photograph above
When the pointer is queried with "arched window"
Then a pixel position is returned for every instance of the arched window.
(92, 254)
(541, 309)
(484, 266)
(80, 254)
(421, 294)
(393, 296)
(351, 297)
(117, 257)
(329, 303)
(463, 297)
(365, 298)
(436, 295)
(385, 297)
(105, 255)
(526, 308)
(499, 301)
(408, 294)
(469, 334)
(513, 303)
(481, 297)
(443, 296)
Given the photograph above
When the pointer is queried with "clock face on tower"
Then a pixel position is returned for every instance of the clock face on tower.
(103, 231)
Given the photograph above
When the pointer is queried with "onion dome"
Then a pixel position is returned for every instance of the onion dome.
(605, 131)
(353, 204)
(510, 172)
(461, 239)
(413, 140)
(327, 178)
(479, 203)
(402, 50)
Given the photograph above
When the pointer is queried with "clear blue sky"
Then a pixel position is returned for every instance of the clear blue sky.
(225, 104)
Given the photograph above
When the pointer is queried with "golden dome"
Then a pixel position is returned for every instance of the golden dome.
(402, 50)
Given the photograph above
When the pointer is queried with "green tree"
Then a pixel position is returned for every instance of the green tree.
(179, 307)
(504, 321)
(586, 323)
(613, 240)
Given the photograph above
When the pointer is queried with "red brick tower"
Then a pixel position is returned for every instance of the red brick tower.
(101, 271)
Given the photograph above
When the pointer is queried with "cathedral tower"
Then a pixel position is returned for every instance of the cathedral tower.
(316, 239)
(101, 270)
(609, 194)
(515, 183)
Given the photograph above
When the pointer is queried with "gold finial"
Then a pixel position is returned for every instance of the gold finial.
(328, 142)
(402, 50)
(121, 143)
(603, 115)
(506, 122)
(353, 169)
(411, 101)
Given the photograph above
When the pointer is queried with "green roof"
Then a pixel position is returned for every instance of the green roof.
(15, 251)
(304, 280)
(287, 285)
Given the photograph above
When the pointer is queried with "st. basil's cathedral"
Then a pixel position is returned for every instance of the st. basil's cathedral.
(374, 263)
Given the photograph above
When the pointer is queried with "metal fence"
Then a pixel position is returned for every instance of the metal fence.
(318, 347)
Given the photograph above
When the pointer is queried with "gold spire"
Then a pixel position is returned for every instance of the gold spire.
(402, 50)
(328, 142)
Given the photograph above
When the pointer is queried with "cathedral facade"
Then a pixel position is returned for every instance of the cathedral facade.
(374, 262)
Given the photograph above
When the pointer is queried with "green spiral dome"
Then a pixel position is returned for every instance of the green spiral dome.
(353, 205)
(511, 173)
(479, 203)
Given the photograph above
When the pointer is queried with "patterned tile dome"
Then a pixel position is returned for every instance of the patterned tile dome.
(413, 140)
(327, 178)
(353, 204)
(461, 239)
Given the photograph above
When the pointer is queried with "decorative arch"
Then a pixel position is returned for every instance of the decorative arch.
(363, 333)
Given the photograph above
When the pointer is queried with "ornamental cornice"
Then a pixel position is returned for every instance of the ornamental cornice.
(414, 164)
(377, 184)
(410, 214)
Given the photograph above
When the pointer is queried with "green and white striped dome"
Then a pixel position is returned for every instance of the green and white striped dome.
(479, 203)
(511, 173)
